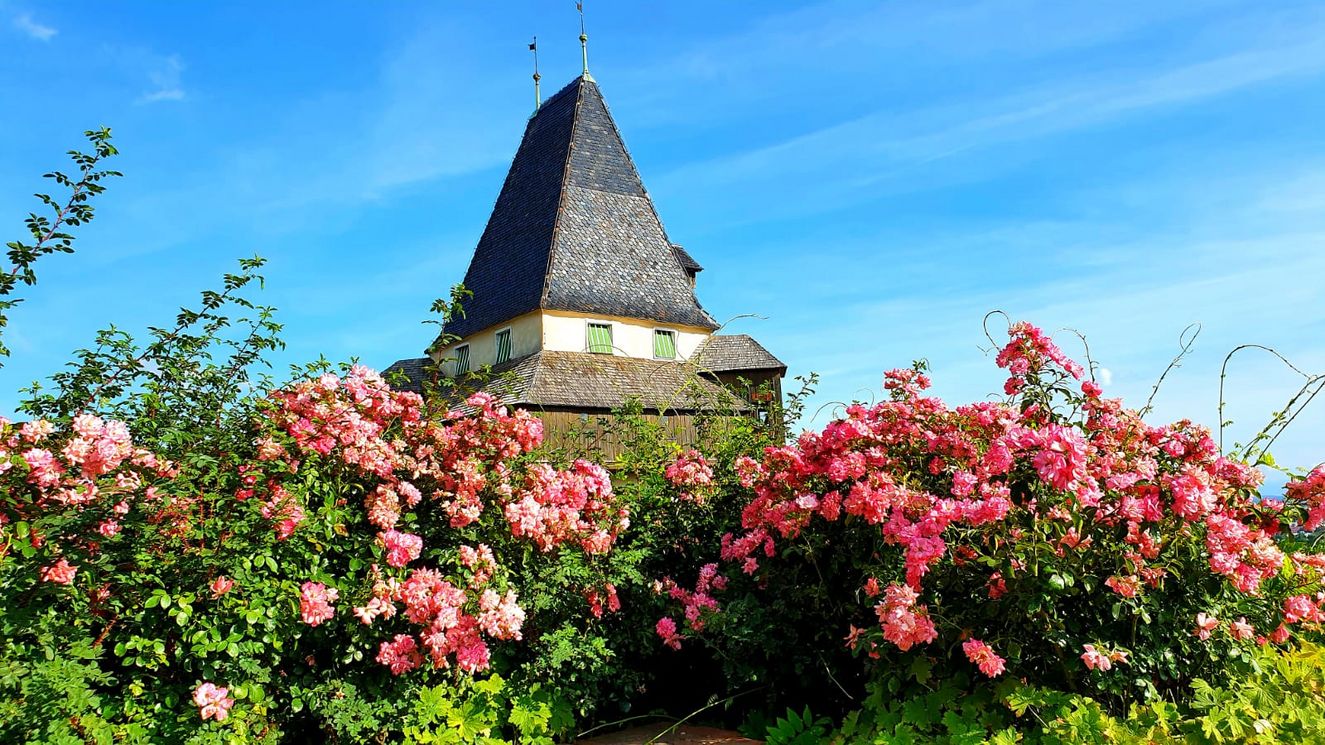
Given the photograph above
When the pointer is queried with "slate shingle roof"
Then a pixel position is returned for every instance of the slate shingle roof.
(580, 380)
(732, 352)
(573, 228)
(688, 262)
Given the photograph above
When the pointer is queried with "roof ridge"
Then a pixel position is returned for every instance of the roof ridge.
(561, 196)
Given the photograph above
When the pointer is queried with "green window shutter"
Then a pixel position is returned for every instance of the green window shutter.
(600, 338)
(664, 345)
(462, 359)
(503, 345)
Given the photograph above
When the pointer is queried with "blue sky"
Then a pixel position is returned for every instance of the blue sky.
(869, 177)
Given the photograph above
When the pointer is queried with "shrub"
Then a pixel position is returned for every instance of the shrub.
(1283, 701)
(189, 551)
(1054, 537)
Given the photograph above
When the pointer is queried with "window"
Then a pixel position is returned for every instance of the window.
(664, 344)
(462, 359)
(600, 338)
(503, 345)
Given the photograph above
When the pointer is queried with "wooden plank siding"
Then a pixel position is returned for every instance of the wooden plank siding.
(590, 431)
(585, 431)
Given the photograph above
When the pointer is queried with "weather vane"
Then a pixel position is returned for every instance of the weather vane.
(538, 97)
(584, 41)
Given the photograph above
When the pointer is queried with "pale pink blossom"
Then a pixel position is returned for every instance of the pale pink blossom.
(401, 654)
(60, 573)
(984, 657)
(213, 702)
(1094, 659)
(401, 548)
(315, 602)
(1241, 630)
(221, 585)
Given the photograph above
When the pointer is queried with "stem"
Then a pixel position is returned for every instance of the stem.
(1185, 346)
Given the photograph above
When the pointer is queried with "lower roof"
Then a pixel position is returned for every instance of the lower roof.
(581, 380)
(736, 352)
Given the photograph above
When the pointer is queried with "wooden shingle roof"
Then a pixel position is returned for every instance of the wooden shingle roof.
(735, 352)
(580, 380)
(573, 229)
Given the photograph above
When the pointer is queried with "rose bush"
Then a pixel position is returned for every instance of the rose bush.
(190, 550)
(1055, 537)
(354, 527)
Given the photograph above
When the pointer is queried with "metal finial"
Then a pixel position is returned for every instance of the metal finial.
(538, 97)
(584, 42)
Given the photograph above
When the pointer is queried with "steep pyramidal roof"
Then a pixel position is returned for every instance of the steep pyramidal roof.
(573, 229)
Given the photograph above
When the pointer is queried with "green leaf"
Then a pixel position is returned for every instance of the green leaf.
(921, 669)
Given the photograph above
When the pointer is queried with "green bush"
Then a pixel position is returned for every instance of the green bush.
(1280, 698)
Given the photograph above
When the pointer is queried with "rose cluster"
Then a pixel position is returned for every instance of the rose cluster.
(989, 488)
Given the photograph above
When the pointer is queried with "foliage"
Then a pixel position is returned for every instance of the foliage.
(798, 728)
(442, 716)
(1283, 701)
(48, 234)
(190, 551)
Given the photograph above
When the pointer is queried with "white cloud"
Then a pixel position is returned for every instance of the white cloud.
(165, 78)
(39, 31)
(164, 94)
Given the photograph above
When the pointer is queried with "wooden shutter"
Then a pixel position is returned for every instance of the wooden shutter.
(462, 359)
(503, 345)
(664, 345)
(600, 338)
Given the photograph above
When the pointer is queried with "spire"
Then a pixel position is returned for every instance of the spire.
(574, 230)
(538, 97)
(584, 43)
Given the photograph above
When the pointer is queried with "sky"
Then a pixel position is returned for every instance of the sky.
(862, 181)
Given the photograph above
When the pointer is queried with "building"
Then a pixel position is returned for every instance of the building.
(580, 301)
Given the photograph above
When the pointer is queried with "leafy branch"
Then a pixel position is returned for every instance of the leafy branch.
(48, 232)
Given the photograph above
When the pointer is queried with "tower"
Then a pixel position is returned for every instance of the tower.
(578, 294)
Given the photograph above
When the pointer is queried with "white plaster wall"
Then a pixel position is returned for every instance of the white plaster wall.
(630, 337)
(568, 333)
(526, 338)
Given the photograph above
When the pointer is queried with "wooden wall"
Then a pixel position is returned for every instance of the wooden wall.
(588, 431)
(576, 431)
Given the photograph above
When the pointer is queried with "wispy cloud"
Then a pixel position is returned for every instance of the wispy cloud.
(404, 127)
(164, 75)
(889, 151)
(874, 49)
(27, 24)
